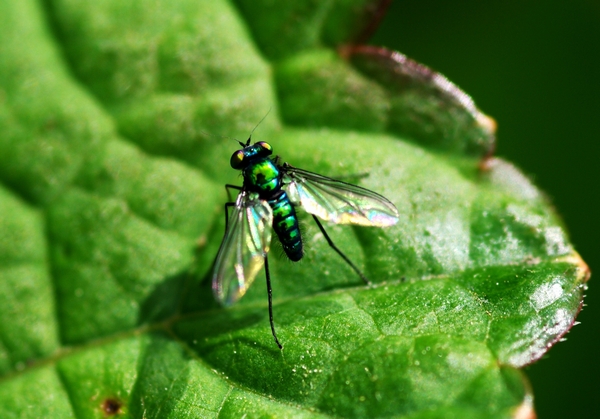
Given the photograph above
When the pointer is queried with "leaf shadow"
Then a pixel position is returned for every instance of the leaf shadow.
(165, 300)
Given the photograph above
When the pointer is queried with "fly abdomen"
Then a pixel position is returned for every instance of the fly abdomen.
(285, 224)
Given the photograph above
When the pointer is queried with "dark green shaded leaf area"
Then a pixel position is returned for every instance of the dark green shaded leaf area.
(116, 121)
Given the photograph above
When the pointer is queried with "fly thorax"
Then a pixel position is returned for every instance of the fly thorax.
(263, 176)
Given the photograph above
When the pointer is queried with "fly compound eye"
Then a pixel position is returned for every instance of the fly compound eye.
(266, 147)
(237, 159)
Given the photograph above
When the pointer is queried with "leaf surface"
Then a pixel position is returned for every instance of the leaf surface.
(112, 165)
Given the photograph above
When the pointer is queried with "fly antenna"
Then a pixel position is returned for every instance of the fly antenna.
(223, 137)
(256, 126)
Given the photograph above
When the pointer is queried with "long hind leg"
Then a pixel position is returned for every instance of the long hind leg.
(268, 275)
(339, 252)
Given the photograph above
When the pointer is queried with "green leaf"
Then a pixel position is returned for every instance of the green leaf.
(112, 166)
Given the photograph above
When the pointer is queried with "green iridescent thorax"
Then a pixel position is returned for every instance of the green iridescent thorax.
(262, 176)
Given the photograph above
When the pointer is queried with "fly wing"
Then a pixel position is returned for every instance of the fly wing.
(339, 202)
(243, 250)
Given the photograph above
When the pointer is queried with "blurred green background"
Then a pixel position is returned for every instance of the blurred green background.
(533, 66)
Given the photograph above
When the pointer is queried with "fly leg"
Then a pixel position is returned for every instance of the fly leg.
(339, 252)
(271, 302)
(229, 187)
(227, 206)
(231, 203)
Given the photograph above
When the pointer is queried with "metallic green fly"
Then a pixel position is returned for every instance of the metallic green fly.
(268, 199)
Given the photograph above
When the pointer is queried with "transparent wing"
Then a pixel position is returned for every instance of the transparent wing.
(243, 249)
(337, 201)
